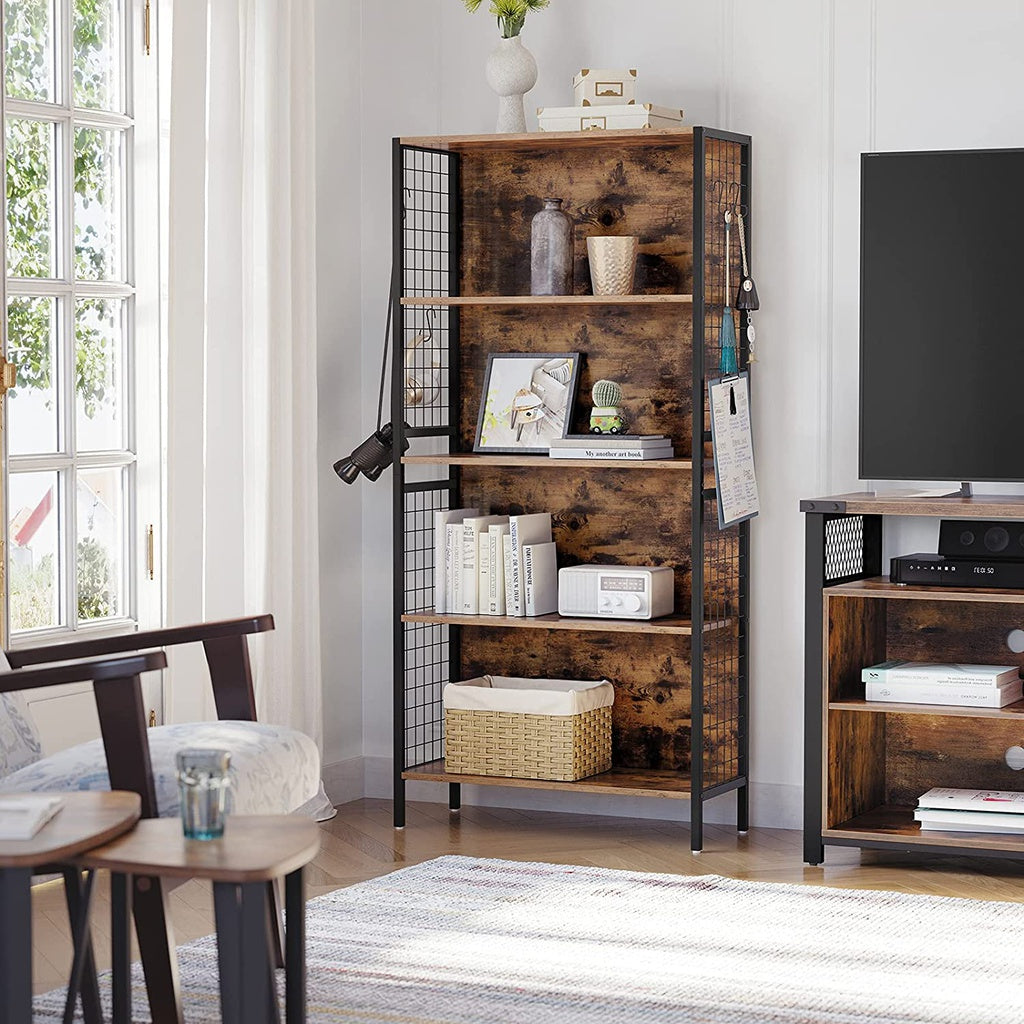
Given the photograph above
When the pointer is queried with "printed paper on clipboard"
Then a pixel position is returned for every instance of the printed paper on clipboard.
(735, 481)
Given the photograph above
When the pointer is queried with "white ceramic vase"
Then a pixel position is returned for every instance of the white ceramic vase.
(511, 73)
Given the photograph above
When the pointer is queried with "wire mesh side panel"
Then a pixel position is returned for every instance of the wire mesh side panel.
(428, 214)
(724, 562)
(427, 657)
(844, 548)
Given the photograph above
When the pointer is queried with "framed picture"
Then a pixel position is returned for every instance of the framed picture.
(527, 401)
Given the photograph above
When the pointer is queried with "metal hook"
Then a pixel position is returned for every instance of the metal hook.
(735, 202)
(717, 188)
(428, 331)
(404, 208)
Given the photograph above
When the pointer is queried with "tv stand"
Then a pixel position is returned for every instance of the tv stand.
(966, 491)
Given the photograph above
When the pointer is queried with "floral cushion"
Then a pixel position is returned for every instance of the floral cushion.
(19, 741)
(274, 770)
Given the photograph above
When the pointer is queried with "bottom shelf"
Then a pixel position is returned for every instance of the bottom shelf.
(895, 825)
(621, 781)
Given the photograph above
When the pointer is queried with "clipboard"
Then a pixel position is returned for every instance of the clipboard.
(733, 445)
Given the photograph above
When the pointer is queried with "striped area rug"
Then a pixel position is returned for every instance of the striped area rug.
(463, 941)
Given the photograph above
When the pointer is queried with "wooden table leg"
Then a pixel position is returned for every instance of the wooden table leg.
(15, 945)
(121, 946)
(295, 949)
(244, 954)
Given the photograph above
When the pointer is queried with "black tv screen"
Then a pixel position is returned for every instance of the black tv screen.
(941, 341)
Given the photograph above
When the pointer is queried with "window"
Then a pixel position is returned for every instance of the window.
(82, 303)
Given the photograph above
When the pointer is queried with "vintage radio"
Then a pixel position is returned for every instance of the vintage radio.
(616, 591)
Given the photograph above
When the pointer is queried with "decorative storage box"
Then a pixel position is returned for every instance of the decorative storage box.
(528, 728)
(581, 119)
(597, 88)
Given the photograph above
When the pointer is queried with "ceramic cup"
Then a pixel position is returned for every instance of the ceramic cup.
(612, 263)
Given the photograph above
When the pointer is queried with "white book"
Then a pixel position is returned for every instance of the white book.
(483, 578)
(991, 801)
(453, 567)
(534, 528)
(506, 549)
(613, 441)
(22, 816)
(472, 527)
(618, 454)
(939, 693)
(441, 521)
(968, 821)
(540, 578)
(496, 593)
(955, 675)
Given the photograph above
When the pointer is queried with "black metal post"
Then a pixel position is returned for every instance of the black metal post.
(15, 945)
(121, 947)
(814, 584)
(244, 954)
(295, 948)
(83, 968)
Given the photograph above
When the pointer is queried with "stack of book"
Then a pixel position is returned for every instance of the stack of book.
(494, 565)
(22, 816)
(913, 682)
(625, 447)
(971, 810)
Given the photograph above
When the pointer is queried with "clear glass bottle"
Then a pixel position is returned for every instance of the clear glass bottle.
(551, 250)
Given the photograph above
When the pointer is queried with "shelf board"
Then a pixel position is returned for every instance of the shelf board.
(524, 461)
(979, 506)
(671, 624)
(619, 781)
(553, 140)
(547, 300)
(1011, 711)
(896, 825)
(883, 587)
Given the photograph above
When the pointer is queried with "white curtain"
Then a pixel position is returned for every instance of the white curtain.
(242, 430)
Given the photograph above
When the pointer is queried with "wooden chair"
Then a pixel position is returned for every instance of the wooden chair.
(126, 751)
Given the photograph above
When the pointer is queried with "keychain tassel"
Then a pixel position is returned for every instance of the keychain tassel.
(727, 332)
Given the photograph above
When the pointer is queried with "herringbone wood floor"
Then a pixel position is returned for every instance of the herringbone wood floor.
(360, 843)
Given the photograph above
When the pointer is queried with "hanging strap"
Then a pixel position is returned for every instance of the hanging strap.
(743, 245)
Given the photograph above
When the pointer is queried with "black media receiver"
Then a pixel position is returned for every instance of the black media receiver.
(938, 570)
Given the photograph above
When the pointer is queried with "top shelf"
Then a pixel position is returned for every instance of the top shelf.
(546, 300)
(549, 140)
(980, 506)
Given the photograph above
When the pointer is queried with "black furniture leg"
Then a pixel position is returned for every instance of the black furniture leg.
(275, 904)
(247, 988)
(295, 949)
(83, 966)
(15, 945)
(156, 947)
(121, 946)
(814, 569)
(696, 825)
(743, 808)
(454, 796)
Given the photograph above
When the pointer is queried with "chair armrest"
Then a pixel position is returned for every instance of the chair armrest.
(89, 670)
(169, 637)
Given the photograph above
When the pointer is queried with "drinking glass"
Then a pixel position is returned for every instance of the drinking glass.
(203, 782)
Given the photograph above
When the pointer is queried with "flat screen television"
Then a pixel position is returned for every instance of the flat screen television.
(941, 348)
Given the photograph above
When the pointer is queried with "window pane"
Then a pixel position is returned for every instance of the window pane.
(30, 198)
(100, 548)
(28, 49)
(32, 404)
(34, 564)
(99, 405)
(98, 54)
(98, 204)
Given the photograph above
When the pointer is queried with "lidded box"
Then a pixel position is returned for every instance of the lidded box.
(596, 88)
(633, 115)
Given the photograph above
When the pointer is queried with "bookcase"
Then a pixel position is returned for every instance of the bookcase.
(866, 763)
(462, 212)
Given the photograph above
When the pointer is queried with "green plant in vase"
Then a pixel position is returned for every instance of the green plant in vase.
(511, 70)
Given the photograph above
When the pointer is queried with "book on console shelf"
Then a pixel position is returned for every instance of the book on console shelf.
(443, 554)
(920, 672)
(473, 528)
(540, 578)
(945, 693)
(969, 821)
(971, 810)
(612, 441)
(618, 454)
(991, 801)
(534, 528)
(495, 588)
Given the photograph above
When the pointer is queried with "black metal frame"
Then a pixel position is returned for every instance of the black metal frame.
(414, 167)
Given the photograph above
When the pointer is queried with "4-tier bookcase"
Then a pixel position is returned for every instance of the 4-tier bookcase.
(462, 212)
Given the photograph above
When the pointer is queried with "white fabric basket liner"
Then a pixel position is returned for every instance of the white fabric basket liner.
(529, 696)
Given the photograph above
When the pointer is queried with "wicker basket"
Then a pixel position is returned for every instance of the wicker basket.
(523, 745)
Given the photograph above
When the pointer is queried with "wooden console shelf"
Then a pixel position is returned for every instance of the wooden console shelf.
(868, 762)
(667, 624)
(656, 299)
(544, 462)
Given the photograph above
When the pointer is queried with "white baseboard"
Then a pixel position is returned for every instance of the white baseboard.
(344, 780)
(772, 805)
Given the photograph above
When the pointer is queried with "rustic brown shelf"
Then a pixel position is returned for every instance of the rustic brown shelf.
(979, 506)
(895, 824)
(673, 624)
(883, 587)
(552, 140)
(548, 300)
(619, 781)
(526, 461)
(1011, 711)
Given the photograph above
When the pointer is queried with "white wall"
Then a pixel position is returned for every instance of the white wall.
(815, 82)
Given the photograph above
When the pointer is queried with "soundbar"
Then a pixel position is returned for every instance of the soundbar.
(940, 571)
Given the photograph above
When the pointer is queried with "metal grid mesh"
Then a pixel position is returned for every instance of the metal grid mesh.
(844, 547)
(427, 207)
(723, 715)
(427, 645)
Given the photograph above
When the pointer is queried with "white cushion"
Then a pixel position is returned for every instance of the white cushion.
(274, 770)
(19, 740)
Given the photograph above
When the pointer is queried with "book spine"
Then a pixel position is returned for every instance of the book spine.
(484, 573)
(496, 584)
(925, 693)
(506, 549)
(618, 454)
(903, 677)
(470, 603)
(453, 545)
(968, 817)
(440, 573)
(528, 580)
(516, 608)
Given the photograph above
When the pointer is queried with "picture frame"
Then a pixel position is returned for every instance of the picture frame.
(527, 401)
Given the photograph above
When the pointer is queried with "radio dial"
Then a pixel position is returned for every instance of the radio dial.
(606, 602)
(634, 602)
